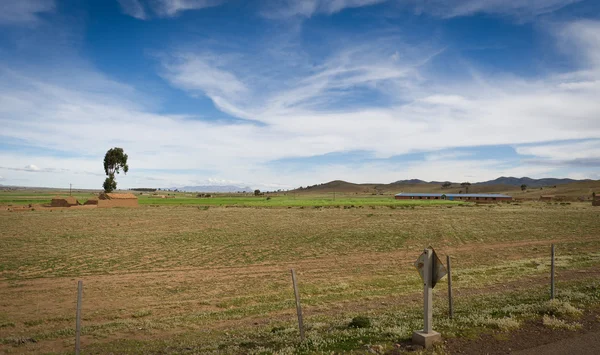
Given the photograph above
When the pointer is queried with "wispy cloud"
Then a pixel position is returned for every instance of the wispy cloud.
(583, 37)
(581, 153)
(521, 9)
(164, 8)
(24, 12)
(286, 9)
(308, 8)
(173, 7)
(255, 91)
(319, 104)
(133, 8)
(31, 167)
(202, 74)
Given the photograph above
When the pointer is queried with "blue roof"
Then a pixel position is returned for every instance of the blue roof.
(421, 194)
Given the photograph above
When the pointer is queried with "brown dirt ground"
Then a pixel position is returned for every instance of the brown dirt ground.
(534, 338)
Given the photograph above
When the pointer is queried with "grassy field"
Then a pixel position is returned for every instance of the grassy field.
(20, 198)
(186, 278)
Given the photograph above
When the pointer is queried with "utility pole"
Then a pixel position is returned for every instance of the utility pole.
(70, 188)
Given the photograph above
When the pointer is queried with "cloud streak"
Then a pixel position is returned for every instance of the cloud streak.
(133, 8)
(24, 12)
(520, 9)
(142, 10)
(309, 8)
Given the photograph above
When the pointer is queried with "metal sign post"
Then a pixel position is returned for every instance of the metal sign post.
(432, 270)
(78, 317)
(298, 307)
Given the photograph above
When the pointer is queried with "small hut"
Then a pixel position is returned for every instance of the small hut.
(117, 200)
(59, 201)
(596, 199)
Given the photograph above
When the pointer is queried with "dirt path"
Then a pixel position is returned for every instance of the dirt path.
(583, 345)
(533, 338)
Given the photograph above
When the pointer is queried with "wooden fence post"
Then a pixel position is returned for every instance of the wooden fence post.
(552, 294)
(298, 307)
(78, 317)
(450, 302)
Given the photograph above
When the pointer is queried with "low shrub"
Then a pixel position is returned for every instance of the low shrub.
(360, 322)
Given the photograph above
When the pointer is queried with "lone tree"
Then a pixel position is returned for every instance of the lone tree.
(466, 185)
(446, 184)
(256, 192)
(523, 187)
(114, 160)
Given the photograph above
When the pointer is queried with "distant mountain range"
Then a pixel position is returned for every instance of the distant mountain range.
(503, 180)
(513, 181)
(213, 188)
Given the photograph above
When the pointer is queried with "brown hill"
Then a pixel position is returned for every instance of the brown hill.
(569, 191)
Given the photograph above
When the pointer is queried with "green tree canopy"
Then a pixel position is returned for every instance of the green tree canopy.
(115, 160)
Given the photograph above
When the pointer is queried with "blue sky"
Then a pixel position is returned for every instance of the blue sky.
(277, 94)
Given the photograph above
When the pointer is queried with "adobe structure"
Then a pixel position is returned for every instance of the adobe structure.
(117, 200)
(91, 201)
(596, 200)
(64, 201)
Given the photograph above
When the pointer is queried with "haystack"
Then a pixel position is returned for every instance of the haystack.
(117, 200)
(59, 201)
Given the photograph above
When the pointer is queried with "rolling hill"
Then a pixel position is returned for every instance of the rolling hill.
(565, 188)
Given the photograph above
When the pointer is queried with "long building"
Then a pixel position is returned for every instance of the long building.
(452, 197)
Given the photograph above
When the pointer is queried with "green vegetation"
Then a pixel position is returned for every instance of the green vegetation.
(183, 199)
(114, 160)
(290, 201)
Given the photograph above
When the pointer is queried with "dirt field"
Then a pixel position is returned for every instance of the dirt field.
(167, 279)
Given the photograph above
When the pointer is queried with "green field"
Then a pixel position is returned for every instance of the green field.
(18, 198)
(288, 201)
(184, 278)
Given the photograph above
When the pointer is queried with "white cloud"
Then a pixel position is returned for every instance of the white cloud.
(582, 154)
(31, 167)
(133, 8)
(583, 37)
(173, 7)
(284, 9)
(450, 155)
(24, 11)
(488, 110)
(313, 110)
(308, 8)
(521, 8)
(201, 74)
(256, 91)
(580, 85)
(142, 9)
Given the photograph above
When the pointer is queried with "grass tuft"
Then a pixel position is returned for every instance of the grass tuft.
(555, 323)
